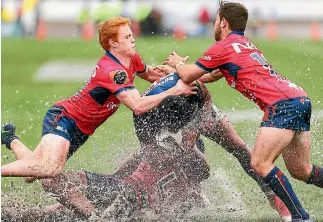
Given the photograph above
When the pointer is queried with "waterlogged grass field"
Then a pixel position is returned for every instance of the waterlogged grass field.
(25, 101)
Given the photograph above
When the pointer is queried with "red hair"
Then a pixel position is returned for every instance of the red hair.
(109, 29)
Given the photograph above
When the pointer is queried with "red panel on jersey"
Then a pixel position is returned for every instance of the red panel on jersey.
(161, 185)
(97, 100)
(245, 69)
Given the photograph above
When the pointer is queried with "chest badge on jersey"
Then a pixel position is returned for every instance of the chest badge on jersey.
(119, 77)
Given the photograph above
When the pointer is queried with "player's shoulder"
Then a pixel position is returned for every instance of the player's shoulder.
(106, 65)
(216, 48)
(111, 72)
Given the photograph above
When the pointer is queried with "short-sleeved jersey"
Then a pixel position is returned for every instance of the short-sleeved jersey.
(97, 100)
(246, 69)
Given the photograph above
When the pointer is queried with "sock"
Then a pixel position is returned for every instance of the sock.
(10, 139)
(279, 183)
(316, 176)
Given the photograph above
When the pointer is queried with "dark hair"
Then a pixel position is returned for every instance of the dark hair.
(235, 13)
(172, 114)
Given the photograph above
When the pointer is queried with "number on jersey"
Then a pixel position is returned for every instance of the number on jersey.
(262, 61)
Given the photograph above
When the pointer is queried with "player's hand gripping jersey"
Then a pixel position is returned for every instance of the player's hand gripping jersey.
(97, 100)
(246, 69)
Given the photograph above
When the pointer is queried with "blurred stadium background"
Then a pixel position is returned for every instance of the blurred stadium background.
(67, 18)
(49, 48)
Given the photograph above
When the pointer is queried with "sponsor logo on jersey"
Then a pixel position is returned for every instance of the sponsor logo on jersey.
(207, 58)
(159, 82)
(119, 77)
(112, 105)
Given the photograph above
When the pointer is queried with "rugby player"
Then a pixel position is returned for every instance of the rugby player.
(69, 123)
(214, 125)
(167, 135)
(285, 127)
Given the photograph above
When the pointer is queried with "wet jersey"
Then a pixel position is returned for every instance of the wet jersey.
(160, 132)
(172, 114)
(97, 100)
(246, 69)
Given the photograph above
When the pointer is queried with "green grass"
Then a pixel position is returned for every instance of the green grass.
(25, 102)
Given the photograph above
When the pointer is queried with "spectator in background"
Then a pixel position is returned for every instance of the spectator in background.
(204, 19)
(83, 17)
(151, 25)
(20, 28)
(255, 22)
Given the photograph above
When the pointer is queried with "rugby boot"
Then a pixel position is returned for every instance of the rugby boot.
(8, 134)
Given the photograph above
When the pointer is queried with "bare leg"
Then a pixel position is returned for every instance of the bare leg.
(270, 143)
(46, 161)
(70, 188)
(216, 126)
(297, 160)
(19, 149)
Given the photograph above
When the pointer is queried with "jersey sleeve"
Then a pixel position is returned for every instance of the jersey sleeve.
(212, 58)
(139, 63)
(116, 81)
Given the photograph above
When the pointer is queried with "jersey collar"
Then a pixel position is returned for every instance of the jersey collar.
(237, 32)
(108, 53)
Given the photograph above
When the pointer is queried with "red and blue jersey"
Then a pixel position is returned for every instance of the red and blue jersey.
(246, 69)
(162, 84)
(97, 100)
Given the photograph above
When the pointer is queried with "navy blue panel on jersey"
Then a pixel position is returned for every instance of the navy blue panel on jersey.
(164, 84)
(100, 94)
(231, 68)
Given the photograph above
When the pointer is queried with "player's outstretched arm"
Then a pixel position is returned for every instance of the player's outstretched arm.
(140, 105)
(211, 76)
(187, 72)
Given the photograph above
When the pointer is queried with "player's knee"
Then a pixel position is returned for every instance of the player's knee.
(257, 165)
(301, 173)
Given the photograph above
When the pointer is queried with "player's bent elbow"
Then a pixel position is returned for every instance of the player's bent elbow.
(186, 79)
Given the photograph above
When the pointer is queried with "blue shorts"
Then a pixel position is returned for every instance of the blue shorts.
(57, 122)
(293, 114)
